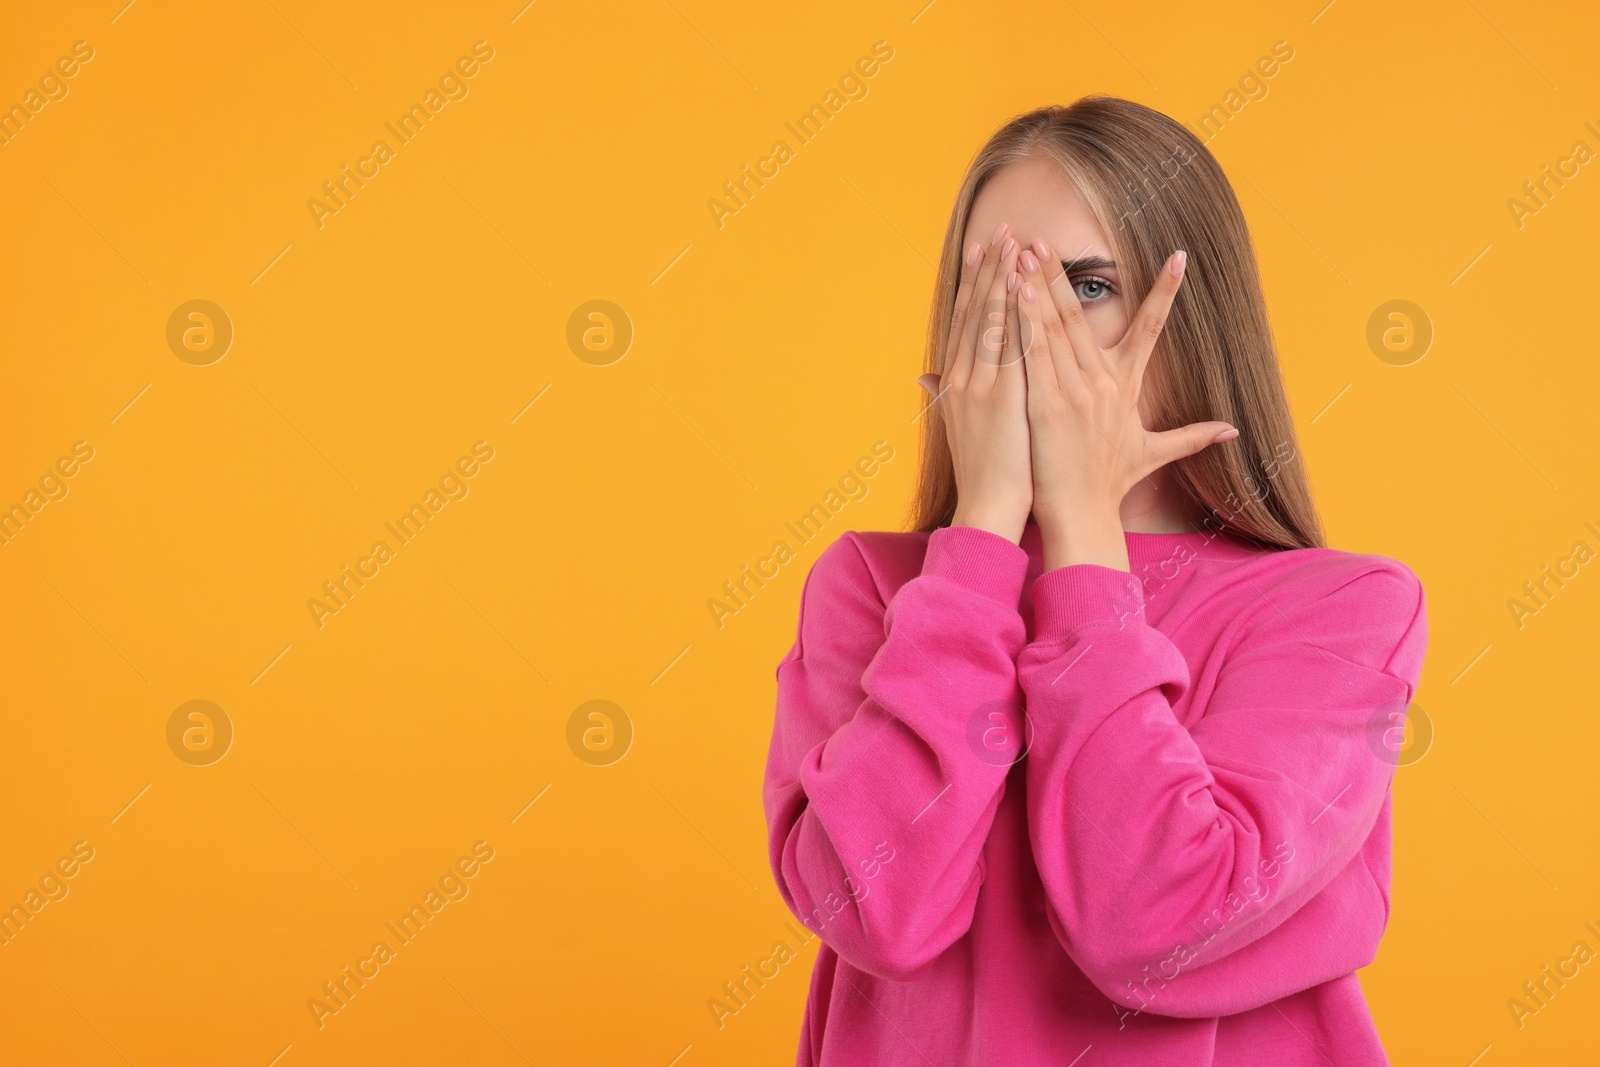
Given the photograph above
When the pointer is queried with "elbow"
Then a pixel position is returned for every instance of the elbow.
(1126, 975)
(894, 962)
(1195, 977)
(1157, 984)
(896, 952)
(891, 929)
(1131, 967)
(894, 936)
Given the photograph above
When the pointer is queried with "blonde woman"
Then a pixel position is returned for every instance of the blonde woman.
(1090, 762)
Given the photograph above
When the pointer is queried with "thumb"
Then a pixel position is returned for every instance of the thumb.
(930, 382)
(1169, 445)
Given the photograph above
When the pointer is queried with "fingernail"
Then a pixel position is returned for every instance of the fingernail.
(1027, 292)
(1009, 247)
(1011, 281)
(1029, 264)
(1179, 258)
(999, 232)
(1226, 435)
(1043, 249)
(974, 253)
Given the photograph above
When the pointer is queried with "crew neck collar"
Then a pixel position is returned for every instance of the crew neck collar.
(1145, 547)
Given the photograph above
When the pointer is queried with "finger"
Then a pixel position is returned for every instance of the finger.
(991, 324)
(1169, 445)
(1045, 333)
(988, 268)
(1036, 355)
(1073, 321)
(1140, 341)
(972, 261)
(1012, 355)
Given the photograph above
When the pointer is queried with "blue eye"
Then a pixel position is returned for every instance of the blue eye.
(1091, 289)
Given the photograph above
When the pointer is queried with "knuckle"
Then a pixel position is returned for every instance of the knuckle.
(1072, 316)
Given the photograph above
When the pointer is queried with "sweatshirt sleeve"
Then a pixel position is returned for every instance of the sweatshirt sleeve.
(1211, 869)
(876, 809)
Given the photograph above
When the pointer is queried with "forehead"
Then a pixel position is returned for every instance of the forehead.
(1036, 199)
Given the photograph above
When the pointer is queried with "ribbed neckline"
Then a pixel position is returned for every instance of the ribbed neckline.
(1146, 547)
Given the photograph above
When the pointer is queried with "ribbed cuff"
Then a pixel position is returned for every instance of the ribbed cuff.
(982, 562)
(1070, 598)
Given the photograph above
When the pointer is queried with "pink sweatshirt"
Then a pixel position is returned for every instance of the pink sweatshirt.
(1038, 817)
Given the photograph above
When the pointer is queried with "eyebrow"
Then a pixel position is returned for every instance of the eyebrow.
(1078, 266)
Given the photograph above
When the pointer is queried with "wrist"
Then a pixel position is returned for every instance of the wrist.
(993, 520)
(979, 561)
(1083, 538)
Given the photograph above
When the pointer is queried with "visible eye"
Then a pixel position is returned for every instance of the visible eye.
(1091, 288)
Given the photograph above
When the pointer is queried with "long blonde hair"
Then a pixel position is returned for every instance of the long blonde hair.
(1154, 187)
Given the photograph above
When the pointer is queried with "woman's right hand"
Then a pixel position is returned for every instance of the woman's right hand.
(982, 395)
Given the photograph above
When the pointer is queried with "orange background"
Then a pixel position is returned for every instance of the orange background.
(767, 355)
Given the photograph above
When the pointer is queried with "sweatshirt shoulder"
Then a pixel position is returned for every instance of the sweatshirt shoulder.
(1364, 607)
(869, 563)
(846, 593)
(1378, 580)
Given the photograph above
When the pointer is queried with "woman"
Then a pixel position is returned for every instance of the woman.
(1090, 764)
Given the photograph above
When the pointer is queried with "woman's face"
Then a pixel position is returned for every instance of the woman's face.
(1037, 200)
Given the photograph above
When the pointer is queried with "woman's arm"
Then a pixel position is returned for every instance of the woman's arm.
(877, 803)
(1208, 871)
(877, 806)
(1197, 872)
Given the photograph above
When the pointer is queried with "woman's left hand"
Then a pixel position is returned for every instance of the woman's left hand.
(1089, 444)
